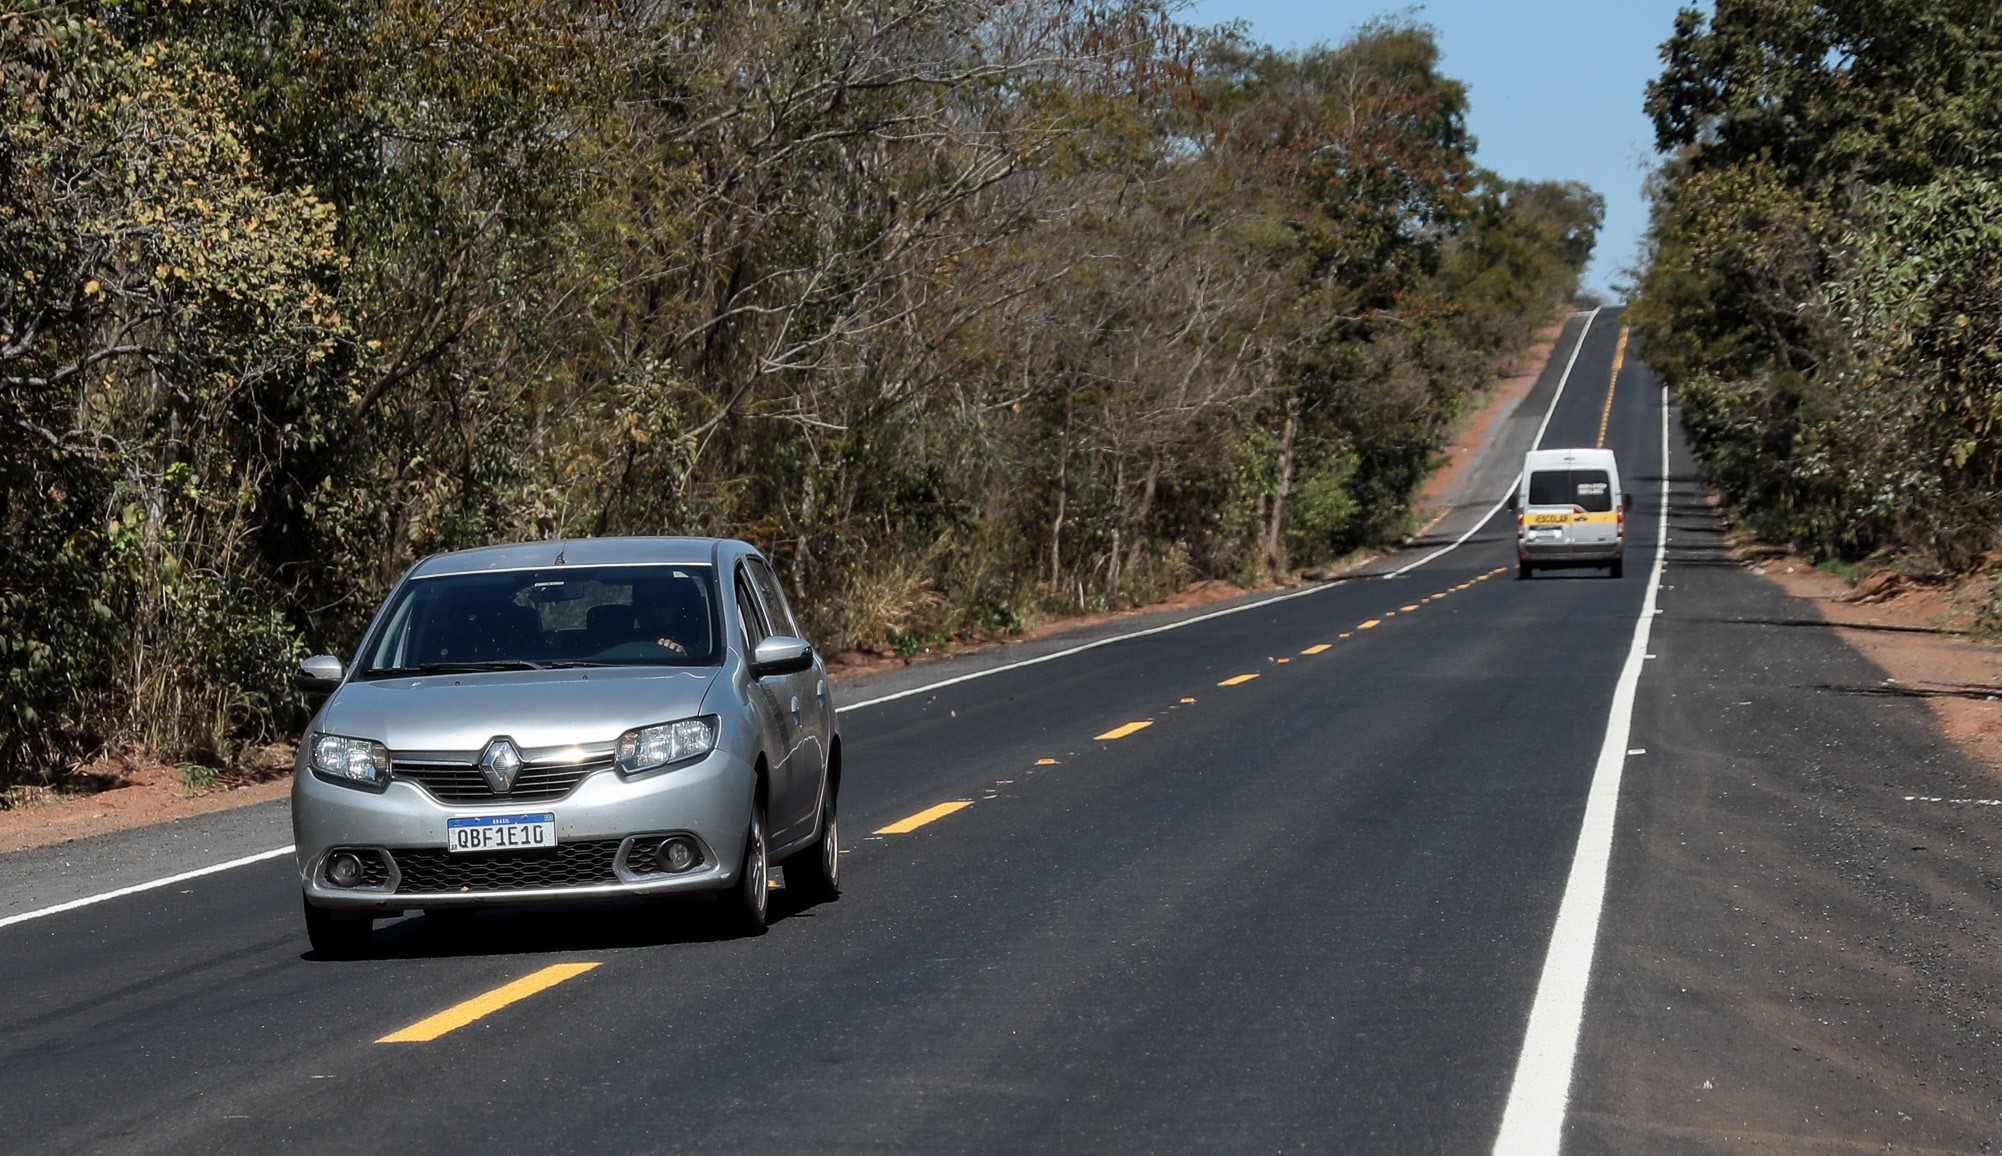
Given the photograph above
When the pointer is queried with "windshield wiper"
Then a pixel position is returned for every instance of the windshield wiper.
(452, 668)
(573, 663)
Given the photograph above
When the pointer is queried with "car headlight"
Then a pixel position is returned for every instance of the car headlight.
(360, 763)
(644, 748)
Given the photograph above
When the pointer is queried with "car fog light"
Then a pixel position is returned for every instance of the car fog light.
(676, 855)
(344, 869)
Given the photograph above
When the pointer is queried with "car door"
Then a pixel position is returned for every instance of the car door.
(778, 738)
(1595, 528)
(1570, 511)
(794, 773)
(806, 693)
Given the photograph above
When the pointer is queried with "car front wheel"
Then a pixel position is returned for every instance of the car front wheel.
(745, 906)
(814, 875)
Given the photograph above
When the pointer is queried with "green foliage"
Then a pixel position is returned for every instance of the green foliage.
(1822, 287)
(161, 304)
(965, 312)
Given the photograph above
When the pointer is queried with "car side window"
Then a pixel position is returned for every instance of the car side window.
(776, 607)
(753, 614)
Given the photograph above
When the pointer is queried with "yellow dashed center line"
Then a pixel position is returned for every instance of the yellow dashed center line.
(1188, 700)
(1236, 679)
(1046, 762)
(1371, 624)
(1408, 608)
(1619, 355)
(906, 826)
(458, 1016)
(1343, 634)
(1316, 648)
(1120, 732)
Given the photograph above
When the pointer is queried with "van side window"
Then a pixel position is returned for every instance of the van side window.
(1589, 490)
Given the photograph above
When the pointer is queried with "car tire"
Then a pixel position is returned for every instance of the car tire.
(814, 874)
(746, 906)
(1618, 568)
(339, 934)
(1522, 570)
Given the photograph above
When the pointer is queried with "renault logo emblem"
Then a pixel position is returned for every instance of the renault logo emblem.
(499, 765)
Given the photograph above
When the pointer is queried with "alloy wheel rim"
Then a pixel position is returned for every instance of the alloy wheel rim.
(830, 852)
(760, 881)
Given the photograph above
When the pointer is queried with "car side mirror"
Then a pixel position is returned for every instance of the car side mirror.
(780, 654)
(320, 674)
(1626, 502)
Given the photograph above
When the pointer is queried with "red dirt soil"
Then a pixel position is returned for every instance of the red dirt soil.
(1919, 631)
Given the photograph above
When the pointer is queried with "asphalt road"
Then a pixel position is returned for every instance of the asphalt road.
(1305, 910)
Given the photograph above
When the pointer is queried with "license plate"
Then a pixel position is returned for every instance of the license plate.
(500, 832)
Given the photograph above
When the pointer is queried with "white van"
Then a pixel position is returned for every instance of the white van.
(1570, 511)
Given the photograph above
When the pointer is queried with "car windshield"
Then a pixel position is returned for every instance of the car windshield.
(653, 615)
(1589, 490)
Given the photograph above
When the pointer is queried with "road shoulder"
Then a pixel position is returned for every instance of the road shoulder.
(1800, 944)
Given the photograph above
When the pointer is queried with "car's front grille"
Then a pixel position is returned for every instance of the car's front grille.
(582, 864)
(374, 869)
(457, 782)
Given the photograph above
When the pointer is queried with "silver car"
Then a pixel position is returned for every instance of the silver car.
(563, 720)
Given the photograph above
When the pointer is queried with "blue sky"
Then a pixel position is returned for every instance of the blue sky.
(1556, 87)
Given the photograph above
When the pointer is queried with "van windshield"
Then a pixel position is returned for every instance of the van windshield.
(565, 616)
(1589, 490)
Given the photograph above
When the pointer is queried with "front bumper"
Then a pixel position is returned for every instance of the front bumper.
(596, 825)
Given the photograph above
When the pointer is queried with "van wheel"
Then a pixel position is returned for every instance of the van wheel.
(1618, 568)
(339, 934)
(1522, 570)
(745, 906)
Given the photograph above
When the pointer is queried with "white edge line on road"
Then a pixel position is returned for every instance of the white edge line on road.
(1094, 645)
(1537, 444)
(136, 888)
(1540, 1093)
(925, 689)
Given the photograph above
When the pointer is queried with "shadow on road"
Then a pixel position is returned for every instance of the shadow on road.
(583, 926)
(1822, 624)
(1974, 691)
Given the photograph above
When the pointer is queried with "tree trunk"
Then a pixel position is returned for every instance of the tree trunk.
(1057, 522)
(1147, 490)
(1275, 527)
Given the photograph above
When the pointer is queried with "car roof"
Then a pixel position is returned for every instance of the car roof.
(1544, 459)
(574, 552)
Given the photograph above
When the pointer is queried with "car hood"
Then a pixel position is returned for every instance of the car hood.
(535, 708)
